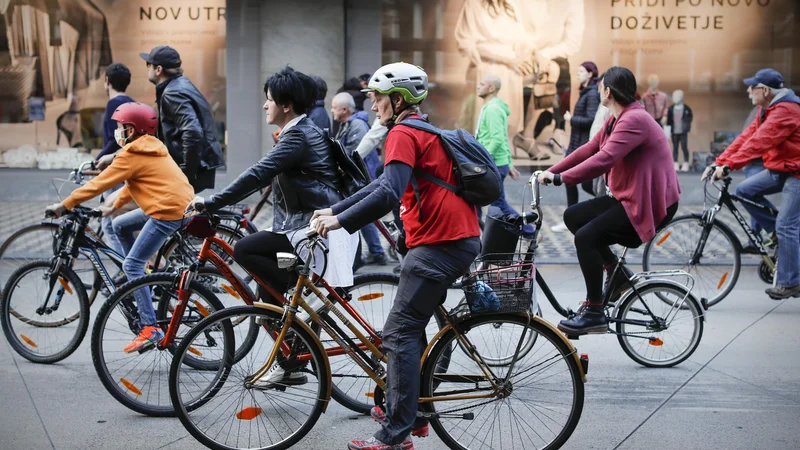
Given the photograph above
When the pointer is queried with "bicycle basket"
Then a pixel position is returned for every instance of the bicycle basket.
(504, 283)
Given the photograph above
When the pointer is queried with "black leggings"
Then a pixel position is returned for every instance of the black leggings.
(572, 191)
(257, 253)
(597, 224)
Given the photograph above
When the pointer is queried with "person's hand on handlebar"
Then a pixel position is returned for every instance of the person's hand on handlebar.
(197, 204)
(322, 212)
(325, 224)
(548, 177)
(55, 210)
(716, 173)
(106, 210)
(104, 161)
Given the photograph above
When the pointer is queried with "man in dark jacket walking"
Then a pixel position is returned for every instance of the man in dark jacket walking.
(185, 122)
(318, 114)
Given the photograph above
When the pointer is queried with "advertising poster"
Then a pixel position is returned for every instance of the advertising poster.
(53, 56)
(702, 47)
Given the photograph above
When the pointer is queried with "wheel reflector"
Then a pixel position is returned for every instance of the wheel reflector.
(28, 341)
(65, 284)
(722, 280)
(661, 241)
(368, 297)
(656, 342)
(248, 413)
(370, 394)
(231, 291)
(195, 351)
(202, 309)
(131, 387)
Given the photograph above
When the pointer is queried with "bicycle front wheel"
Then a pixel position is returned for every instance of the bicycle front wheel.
(44, 319)
(140, 380)
(716, 266)
(224, 409)
(535, 406)
(661, 326)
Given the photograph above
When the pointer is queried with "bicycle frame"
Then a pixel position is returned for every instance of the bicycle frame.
(727, 199)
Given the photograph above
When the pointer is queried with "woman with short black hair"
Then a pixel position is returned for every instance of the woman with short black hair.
(633, 153)
(303, 175)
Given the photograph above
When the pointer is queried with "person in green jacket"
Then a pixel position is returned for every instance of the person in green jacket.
(492, 133)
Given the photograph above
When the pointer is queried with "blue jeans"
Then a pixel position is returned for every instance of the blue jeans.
(427, 273)
(502, 204)
(373, 239)
(138, 250)
(111, 235)
(750, 170)
(786, 225)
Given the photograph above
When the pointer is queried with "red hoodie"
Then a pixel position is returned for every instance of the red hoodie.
(773, 136)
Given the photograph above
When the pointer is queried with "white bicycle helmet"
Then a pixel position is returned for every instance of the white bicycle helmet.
(406, 79)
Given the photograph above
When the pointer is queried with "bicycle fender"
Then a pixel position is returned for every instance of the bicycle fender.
(305, 326)
(651, 281)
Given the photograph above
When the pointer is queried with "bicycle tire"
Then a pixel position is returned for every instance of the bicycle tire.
(172, 244)
(713, 290)
(11, 262)
(82, 316)
(545, 333)
(120, 391)
(660, 289)
(318, 364)
(164, 312)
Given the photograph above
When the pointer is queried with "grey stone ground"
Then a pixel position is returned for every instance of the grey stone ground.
(740, 390)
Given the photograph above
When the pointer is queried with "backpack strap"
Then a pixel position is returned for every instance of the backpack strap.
(423, 125)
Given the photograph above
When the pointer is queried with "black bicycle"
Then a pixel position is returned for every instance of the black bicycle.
(707, 248)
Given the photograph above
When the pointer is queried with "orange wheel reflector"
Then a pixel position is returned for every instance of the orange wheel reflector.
(661, 241)
(28, 341)
(65, 284)
(195, 351)
(131, 387)
(722, 280)
(231, 291)
(202, 309)
(368, 297)
(248, 413)
(370, 394)
(656, 342)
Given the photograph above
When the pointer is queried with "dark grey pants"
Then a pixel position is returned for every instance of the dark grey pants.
(427, 273)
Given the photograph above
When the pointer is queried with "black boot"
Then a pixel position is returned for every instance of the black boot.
(589, 320)
(617, 284)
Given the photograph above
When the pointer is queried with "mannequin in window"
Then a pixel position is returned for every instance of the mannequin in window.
(655, 102)
(679, 119)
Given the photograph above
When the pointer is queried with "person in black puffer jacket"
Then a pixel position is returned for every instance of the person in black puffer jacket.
(581, 123)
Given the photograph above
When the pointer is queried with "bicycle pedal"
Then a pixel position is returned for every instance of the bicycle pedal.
(573, 337)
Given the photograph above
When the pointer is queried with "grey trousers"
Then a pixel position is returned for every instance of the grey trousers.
(427, 273)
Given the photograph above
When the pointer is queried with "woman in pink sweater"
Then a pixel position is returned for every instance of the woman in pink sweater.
(634, 155)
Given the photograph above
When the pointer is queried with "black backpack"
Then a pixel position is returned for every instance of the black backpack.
(477, 178)
(352, 171)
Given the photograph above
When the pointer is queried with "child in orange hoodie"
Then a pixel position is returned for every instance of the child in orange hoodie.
(159, 187)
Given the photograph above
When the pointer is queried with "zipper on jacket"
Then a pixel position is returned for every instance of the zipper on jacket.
(285, 205)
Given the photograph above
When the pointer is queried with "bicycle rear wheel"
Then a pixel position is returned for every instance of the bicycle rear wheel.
(237, 414)
(44, 323)
(717, 268)
(140, 380)
(538, 406)
(666, 337)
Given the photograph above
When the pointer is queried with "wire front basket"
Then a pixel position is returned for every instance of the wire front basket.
(499, 283)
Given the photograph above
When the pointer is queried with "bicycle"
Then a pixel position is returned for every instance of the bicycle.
(707, 248)
(135, 380)
(246, 403)
(644, 313)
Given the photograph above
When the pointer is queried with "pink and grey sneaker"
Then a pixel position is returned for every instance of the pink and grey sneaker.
(379, 415)
(374, 444)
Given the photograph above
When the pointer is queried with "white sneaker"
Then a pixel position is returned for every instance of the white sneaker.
(277, 377)
(559, 228)
(685, 167)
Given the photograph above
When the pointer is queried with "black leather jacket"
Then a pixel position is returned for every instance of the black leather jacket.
(303, 174)
(187, 128)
